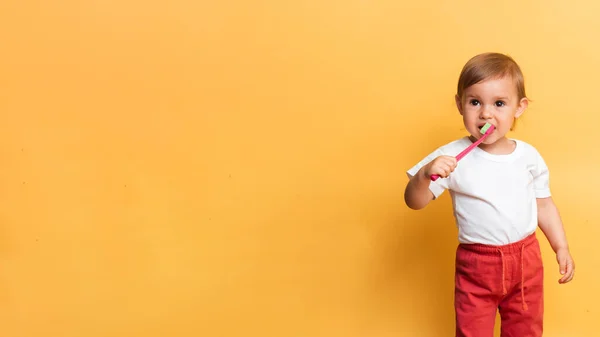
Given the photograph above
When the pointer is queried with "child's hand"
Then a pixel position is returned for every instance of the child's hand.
(442, 166)
(566, 265)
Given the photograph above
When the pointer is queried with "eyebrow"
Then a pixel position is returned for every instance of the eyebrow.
(497, 97)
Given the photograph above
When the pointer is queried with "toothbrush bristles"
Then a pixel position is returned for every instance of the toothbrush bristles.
(485, 128)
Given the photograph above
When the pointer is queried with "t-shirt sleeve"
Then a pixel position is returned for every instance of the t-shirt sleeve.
(436, 187)
(541, 178)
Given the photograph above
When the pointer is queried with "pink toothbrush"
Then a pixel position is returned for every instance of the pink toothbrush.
(486, 130)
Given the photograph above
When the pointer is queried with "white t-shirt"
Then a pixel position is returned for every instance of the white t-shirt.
(493, 196)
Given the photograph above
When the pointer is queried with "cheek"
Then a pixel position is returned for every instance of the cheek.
(471, 110)
(505, 118)
(470, 115)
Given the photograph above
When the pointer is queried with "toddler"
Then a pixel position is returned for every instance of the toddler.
(500, 195)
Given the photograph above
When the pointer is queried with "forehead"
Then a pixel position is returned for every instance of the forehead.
(503, 86)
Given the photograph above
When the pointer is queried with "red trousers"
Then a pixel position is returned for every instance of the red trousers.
(506, 278)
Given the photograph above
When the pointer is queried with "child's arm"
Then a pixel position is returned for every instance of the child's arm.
(417, 194)
(551, 224)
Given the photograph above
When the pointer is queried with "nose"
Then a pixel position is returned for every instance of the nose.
(486, 112)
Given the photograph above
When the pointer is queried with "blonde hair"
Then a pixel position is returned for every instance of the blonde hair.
(490, 66)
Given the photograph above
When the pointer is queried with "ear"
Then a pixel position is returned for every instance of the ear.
(458, 104)
(523, 104)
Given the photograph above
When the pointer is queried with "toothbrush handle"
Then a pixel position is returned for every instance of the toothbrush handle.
(464, 153)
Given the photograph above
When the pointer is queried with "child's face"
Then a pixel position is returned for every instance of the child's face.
(493, 101)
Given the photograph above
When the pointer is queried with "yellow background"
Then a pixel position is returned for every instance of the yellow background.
(236, 168)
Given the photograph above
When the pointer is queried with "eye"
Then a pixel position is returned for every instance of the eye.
(500, 103)
(474, 102)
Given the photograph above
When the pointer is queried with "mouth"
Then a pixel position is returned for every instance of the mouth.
(482, 125)
(488, 131)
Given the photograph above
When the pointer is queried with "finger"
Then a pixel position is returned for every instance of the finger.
(451, 162)
(569, 272)
(562, 266)
(448, 170)
(564, 277)
(442, 170)
(567, 278)
(571, 276)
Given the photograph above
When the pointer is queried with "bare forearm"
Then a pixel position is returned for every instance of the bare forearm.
(417, 194)
(551, 224)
